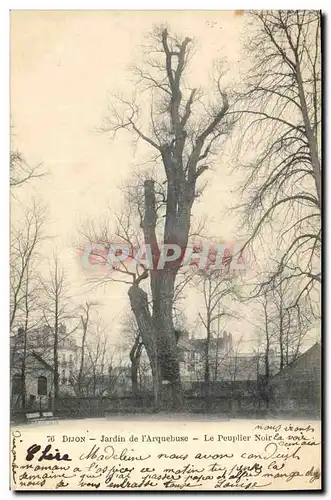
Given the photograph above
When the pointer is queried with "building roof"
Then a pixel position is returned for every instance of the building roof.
(304, 357)
(39, 358)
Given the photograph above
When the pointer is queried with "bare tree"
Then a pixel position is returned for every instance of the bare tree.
(215, 286)
(32, 317)
(85, 322)
(281, 136)
(95, 375)
(238, 369)
(25, 242)
(282, 329)
(26, 239)
(28, 317)
(290, 324)
(185, 133)
(57, 310)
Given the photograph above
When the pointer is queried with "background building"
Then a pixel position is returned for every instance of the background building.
(39, 378)
(40, 341)
(298, 385)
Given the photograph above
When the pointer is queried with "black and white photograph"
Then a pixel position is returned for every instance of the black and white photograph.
(165, 232)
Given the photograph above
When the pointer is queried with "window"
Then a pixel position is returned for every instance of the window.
(17, 384)
(64, 380)
(193, 361)
(70, 358)
(42, 386)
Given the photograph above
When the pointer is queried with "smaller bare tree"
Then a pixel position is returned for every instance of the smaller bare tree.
(25, 242)
(57, 310)
(24, 286)
(85, 323)
(215, 286)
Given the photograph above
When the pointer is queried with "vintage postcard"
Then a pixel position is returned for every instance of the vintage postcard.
(165, 250)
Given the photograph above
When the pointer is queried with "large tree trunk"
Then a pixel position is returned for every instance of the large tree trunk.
(139, 306)
(163, 282)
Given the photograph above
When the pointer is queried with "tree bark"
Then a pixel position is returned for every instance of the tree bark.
(163, 282)
(162, 287)
(139, 305)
